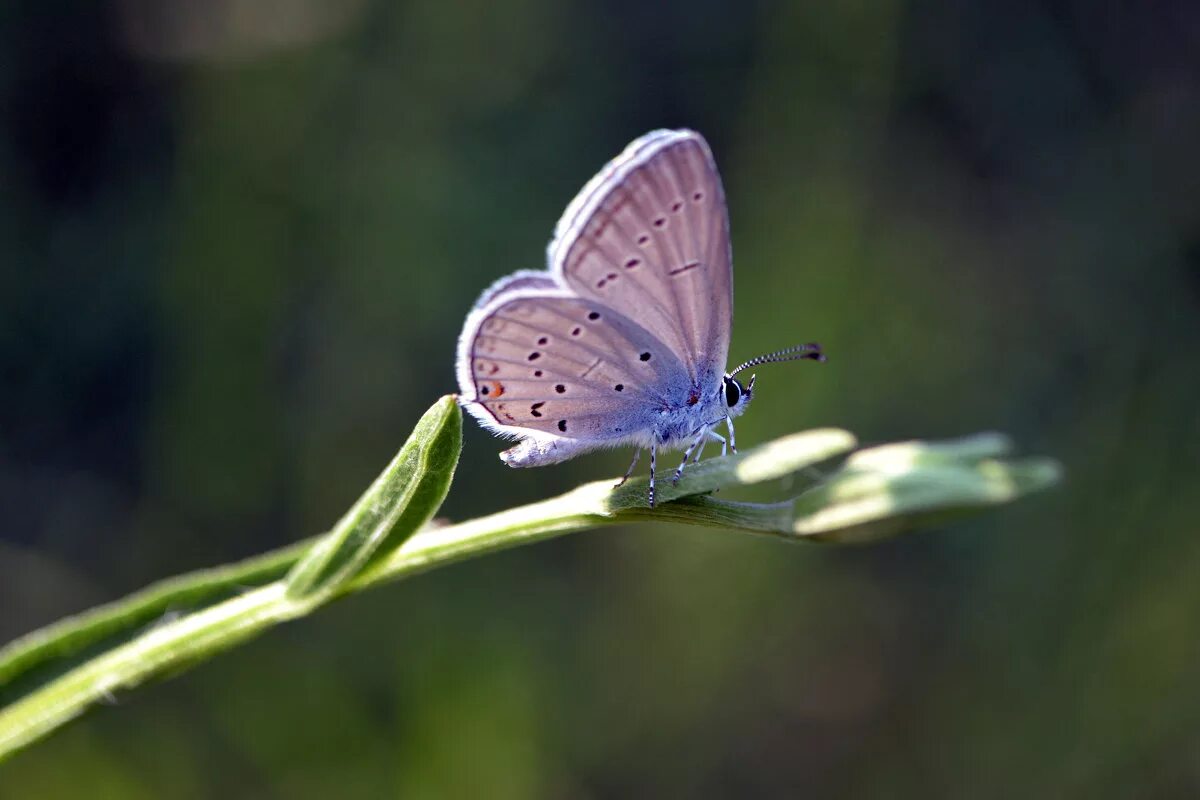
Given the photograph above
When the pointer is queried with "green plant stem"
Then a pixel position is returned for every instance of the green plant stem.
(169, 646)
(179, 642)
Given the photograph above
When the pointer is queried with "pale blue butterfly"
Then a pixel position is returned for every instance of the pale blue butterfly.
(623, 340)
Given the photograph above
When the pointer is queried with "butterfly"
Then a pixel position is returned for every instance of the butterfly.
(624, 339)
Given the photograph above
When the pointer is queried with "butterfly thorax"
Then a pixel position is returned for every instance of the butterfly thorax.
(679, 423)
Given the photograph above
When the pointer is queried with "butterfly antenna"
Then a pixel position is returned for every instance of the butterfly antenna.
(811, 352)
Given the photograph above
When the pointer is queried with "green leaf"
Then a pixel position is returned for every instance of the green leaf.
(886, 490)
(401, 500)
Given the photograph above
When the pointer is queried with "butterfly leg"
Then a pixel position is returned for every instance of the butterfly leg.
(716, 437)
(732, 443)
(686, 455)
(636, 455)
(653, 455)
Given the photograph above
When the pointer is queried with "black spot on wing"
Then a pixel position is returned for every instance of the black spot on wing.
(688, 266)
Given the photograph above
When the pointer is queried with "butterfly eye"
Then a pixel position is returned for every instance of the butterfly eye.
(733, 392)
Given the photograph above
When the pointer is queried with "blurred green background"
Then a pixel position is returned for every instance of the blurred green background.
(238, 239)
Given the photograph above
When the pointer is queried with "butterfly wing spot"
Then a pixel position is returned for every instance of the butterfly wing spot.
(620, 387)
(643, 240)
(560, 388)
(534, 356)
(644, 357)
(542, 340)
(660, 222)
(533, 409)
(493, 389)
(697, 197)
(678, 204)
(562, 425)
(594, 315)
(612, 276)
(693, 398)
(576, 331)
(688, 266)
(537, 373)
(633, 262)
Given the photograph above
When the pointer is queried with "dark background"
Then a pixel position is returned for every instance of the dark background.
(238, 239)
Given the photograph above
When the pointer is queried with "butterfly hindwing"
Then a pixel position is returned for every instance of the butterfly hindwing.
(540, 359)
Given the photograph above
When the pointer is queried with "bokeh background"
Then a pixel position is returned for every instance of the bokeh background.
(238, 239)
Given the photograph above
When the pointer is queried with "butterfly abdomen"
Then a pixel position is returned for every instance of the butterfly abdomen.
(541, 452)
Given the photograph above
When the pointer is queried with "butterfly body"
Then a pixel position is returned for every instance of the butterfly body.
(624, 339)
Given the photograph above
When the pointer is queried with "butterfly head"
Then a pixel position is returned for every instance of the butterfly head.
(737, 397)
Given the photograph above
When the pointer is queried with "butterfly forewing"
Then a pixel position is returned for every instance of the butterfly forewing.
(650, 237)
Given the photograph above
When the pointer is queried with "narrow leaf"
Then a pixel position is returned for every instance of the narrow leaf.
(404, 497)
(886, 490)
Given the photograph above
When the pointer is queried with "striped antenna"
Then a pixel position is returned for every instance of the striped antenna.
(810, 351)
